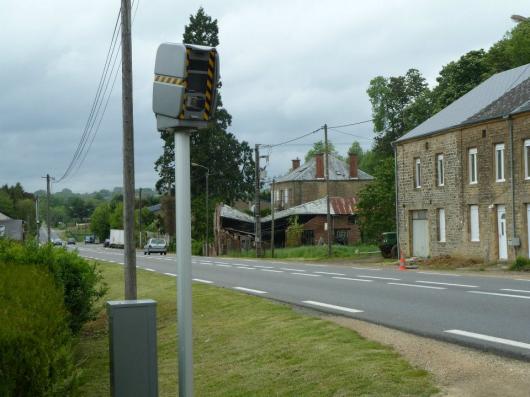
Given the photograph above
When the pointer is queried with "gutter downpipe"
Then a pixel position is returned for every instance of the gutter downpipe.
(512, 184)
(396, 189)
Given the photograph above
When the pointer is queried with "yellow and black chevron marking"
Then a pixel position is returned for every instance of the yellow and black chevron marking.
(170, 80)
(181, 115)
(209, 86)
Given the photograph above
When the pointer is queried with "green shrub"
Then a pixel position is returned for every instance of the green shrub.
(521, 264)
(196, 247)
(80, 281)
(35, 342)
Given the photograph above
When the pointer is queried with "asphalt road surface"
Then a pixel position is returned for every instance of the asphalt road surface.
(485, 312)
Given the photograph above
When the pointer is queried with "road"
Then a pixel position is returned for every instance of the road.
(484, 312)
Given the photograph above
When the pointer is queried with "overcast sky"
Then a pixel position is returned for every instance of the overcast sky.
(287, 68)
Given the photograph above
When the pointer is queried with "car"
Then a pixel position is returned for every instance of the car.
(388, 245)
(106, 243)
(90, 240)
(70, 241)
(57, 241)
(155, 245)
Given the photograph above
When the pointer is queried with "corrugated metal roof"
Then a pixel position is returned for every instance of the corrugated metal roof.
(338, 206)
(338, 170)
(232, 213)
(468, 107)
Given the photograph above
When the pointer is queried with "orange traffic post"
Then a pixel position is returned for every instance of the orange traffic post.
(402, 263)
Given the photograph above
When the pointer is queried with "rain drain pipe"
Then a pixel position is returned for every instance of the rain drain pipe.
(515, 241)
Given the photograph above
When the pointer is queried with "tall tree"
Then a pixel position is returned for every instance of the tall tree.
(512, 50)
(319, 147)
(393, 107)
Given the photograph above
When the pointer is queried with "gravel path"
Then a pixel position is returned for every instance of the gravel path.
(458, 371)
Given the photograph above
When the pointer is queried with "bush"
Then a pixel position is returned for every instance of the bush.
(35, 343)
(521, 264)
(196, 247)
(80, 281)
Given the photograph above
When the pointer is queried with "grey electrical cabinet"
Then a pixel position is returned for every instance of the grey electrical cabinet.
(132, 348)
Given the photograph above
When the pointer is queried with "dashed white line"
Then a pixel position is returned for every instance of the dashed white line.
(253, 291)
(522, 279)
(380, 278)
(352, 279)
(416, 286)
(516, 290)
(365, 268)
(271, 270)
(449, 284)
(221, 265)
(331, 273)
(200, 280)
(245, 267)
(305, 274)
(498, 294)
(171, 274)
(488, 338)
(264, 267)
(149, 269)
(292, 270)
(335, 307)
(440, 274)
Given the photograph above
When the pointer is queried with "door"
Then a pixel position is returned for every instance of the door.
(420, 234)
(501, 230)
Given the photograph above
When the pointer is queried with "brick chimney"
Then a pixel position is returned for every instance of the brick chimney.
(296, 163)
(319, 174)
(353, 166)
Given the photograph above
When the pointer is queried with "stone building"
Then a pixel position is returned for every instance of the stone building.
(304, 183)
(464, 175)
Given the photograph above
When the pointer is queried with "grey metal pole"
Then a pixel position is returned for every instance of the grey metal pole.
(48, 207)
(257, 206)
(272, 217)
(128, 153)
(328, 213)
(183, 235)
(207, 215)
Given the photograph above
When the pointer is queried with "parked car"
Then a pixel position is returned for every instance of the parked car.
(57, 241)
(388, 245)
(70, 241)
(155, 245)
(106, 243)
(90, 240)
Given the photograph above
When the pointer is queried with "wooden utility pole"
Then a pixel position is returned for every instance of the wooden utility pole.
(328, 214)
(48, 193)
(128, 152)
(257, 206)
(272, 217)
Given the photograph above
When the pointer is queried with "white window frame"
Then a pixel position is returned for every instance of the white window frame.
(472, 165)
(417, 173)
(286, 196)
(499, 164)
(441, 225)
(440, 170)
(526, 155)
(474, 223)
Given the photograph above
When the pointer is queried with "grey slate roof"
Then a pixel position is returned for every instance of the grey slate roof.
(338, 170)
(338, 206)
(504, 93)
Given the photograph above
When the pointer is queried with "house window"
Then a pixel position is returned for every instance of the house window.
(472, 161)
(474, 223)
(527, 159)
(499, 162)
(286, 196)
(441, 225)
(341, 236)
(440, 171)
(352, 219)
(308, 237)
(277, 195)
(417, 173)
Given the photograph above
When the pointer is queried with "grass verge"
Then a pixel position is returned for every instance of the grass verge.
(249, 346)
(314, 252)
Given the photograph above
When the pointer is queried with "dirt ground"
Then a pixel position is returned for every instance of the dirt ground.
(458, 371)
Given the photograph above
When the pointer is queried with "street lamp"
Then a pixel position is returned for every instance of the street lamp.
(207, 216)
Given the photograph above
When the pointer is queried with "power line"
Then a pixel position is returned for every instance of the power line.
(349, 134)
(351, 124)
(292, 140)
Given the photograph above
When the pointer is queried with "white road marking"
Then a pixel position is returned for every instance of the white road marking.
(328, 306)
(206, 263)
(171, 274)
(305, 274)
(440, 274)
(417, 286)
(516, 290)
(292, 270)
(200, 280)
(331, 273)
(352, 279)
(489, 338)
(253, 291)
(380, 278)
(522, 279)
(365, 268)
(497, 294)
(149, 269)
(264, 267)
(220, 265)
(271, 270)
(245, 267)
(452, 285)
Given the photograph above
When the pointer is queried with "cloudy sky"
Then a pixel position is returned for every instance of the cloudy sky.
(288, 67)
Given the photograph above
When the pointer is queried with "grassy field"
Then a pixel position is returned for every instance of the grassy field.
(249, 346)
(314, 252)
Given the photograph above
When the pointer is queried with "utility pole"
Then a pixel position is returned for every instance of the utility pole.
(257, 206)
(37, 220)
(328, 214)
(129, 248)
(140, 215)
(272, 217)
(48, 189)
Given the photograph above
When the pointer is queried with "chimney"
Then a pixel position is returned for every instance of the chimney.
(296, 163)
(319, 157)
(353, 166)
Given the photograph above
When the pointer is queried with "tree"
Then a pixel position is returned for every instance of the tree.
(393, 112)
(512, 50)
(319, 147)
(100, 221)
(230, 161)
(116, 217)
(377, 208)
